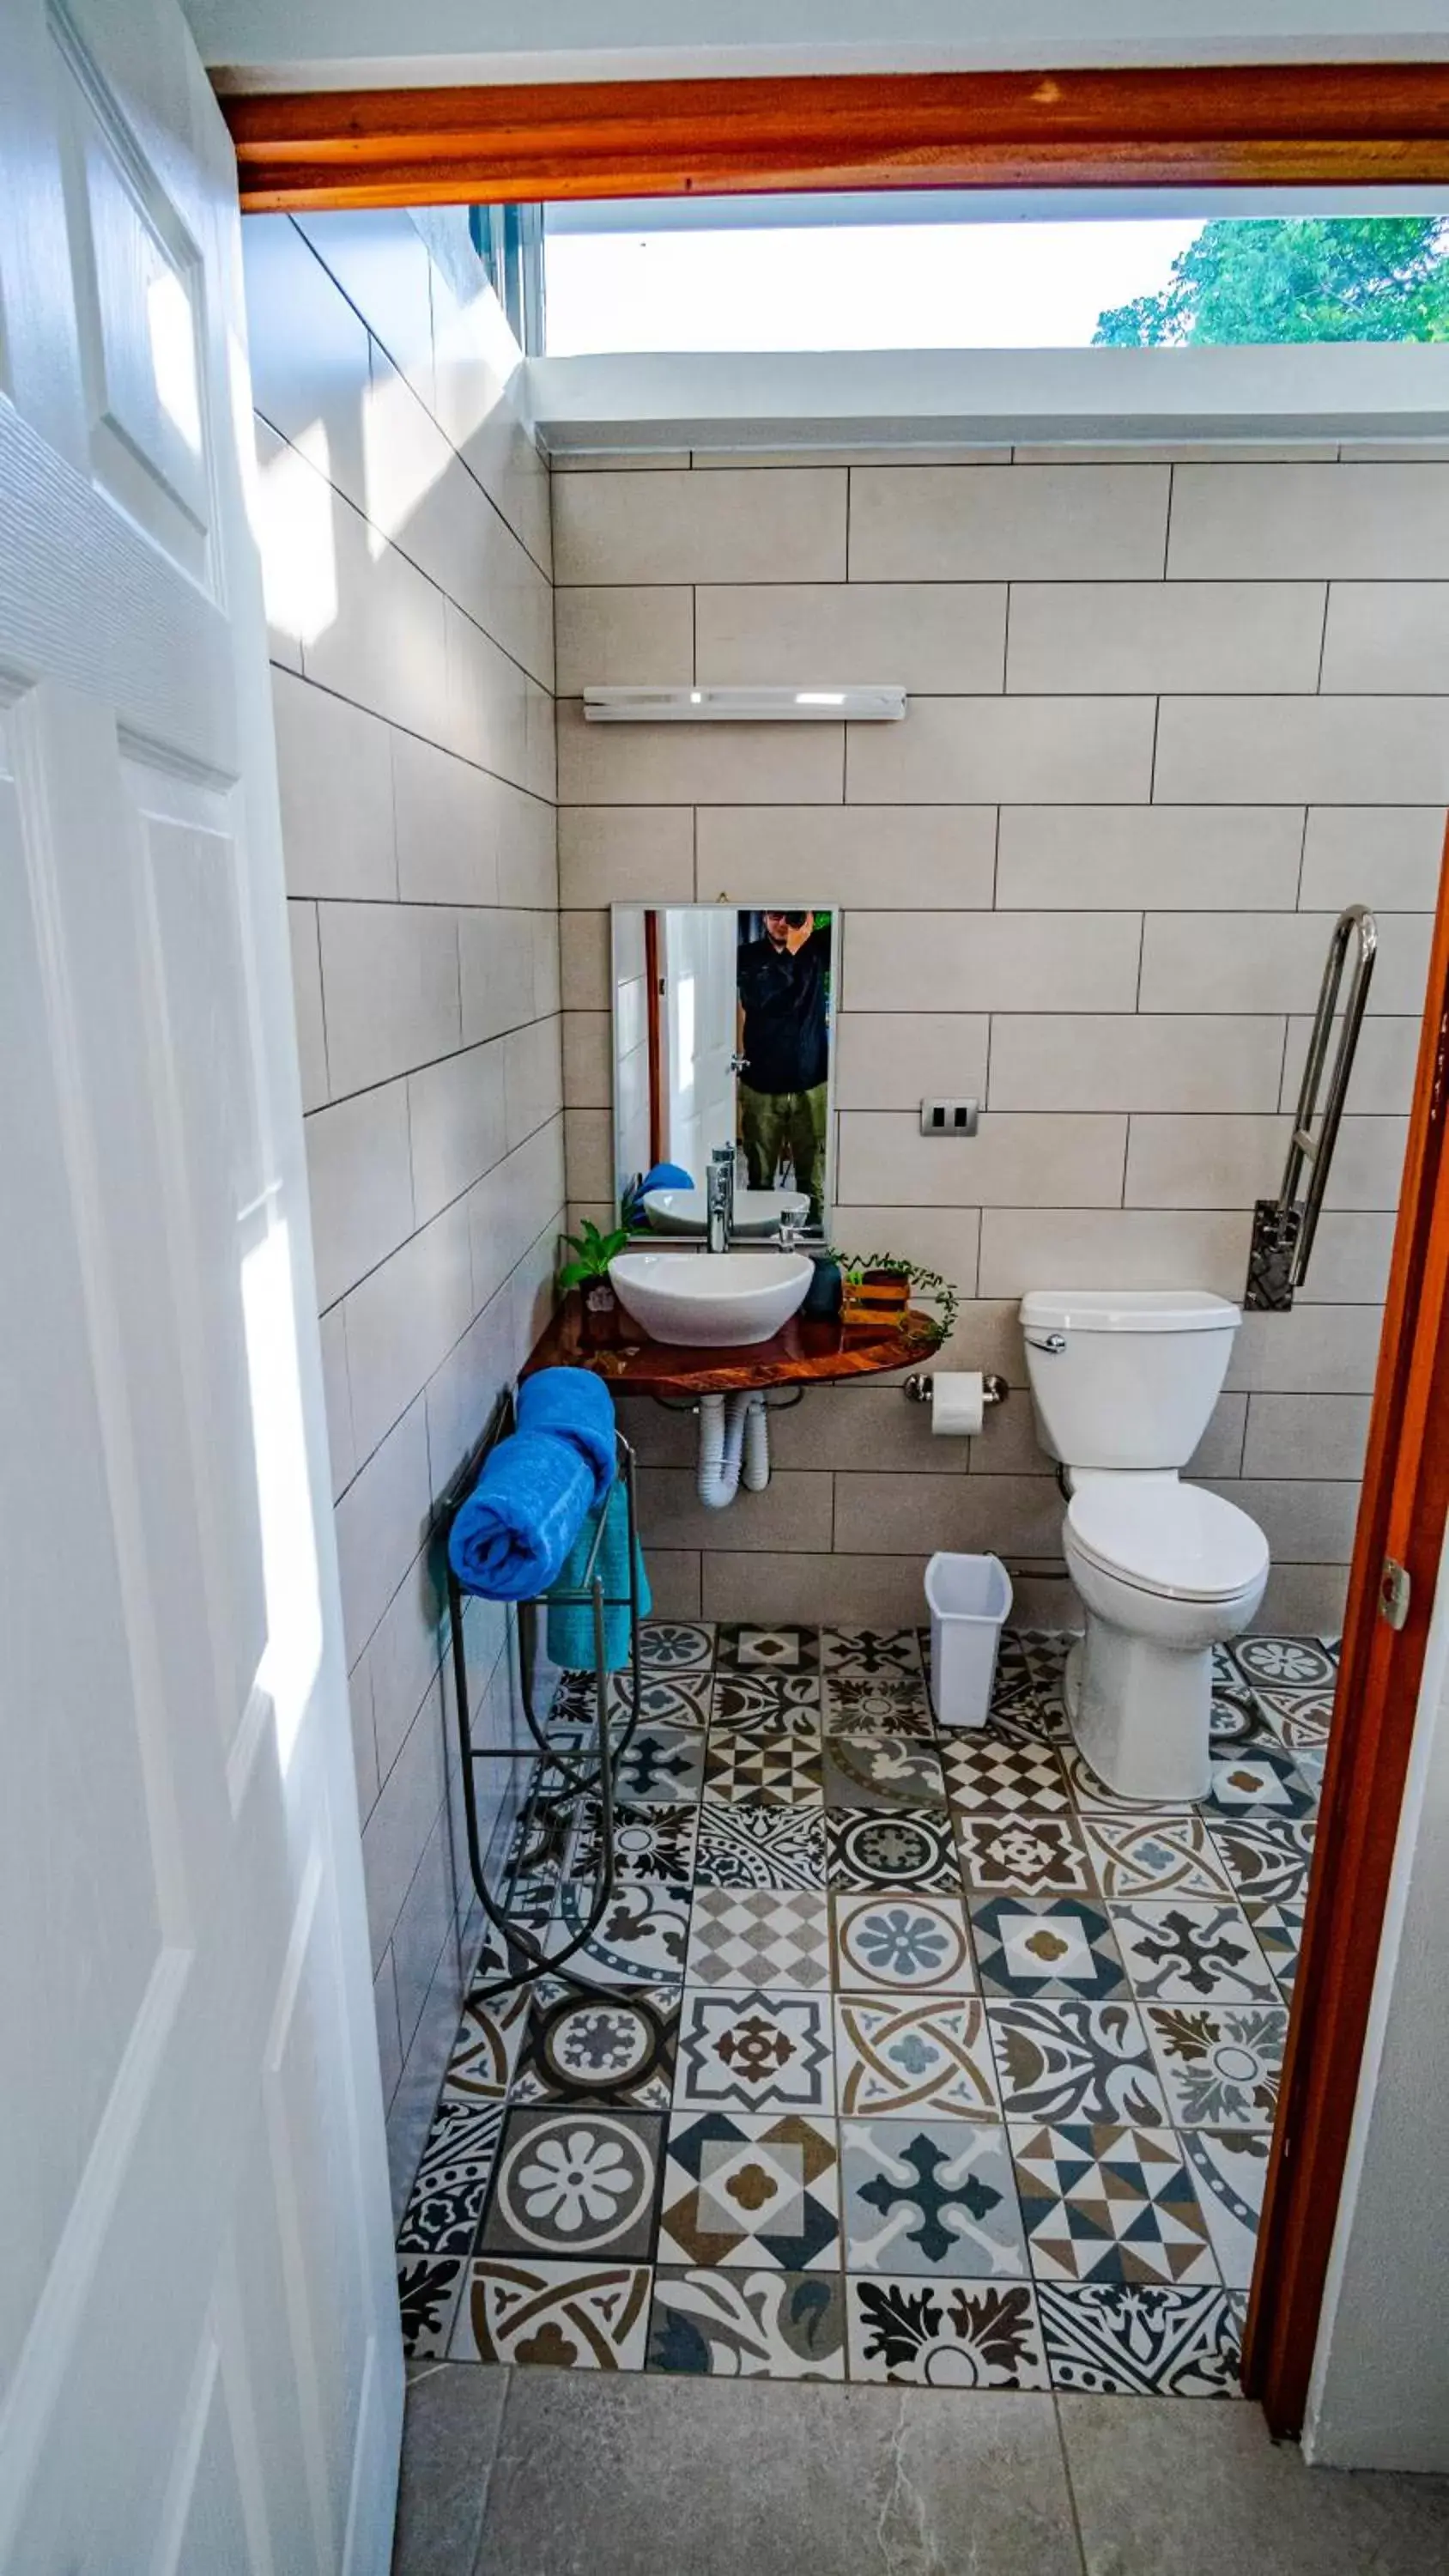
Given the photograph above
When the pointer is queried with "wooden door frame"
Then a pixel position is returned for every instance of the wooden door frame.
(1237, 125)
(1351, 125)
(1402, 1514)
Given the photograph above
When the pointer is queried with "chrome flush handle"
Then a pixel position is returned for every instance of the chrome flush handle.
(1053, 1343)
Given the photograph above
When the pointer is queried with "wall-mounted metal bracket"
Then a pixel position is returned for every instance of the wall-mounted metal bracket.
(918, 1388)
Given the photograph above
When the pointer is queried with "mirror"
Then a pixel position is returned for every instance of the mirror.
(724, 1034)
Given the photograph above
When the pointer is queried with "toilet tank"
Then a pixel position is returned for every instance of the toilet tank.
(1136, 1375)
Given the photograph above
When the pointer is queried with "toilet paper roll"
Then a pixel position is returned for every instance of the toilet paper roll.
(958, 1402)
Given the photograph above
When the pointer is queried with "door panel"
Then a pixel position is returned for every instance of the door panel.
(200, 2365)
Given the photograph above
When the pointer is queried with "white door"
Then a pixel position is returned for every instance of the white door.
(701, 979)
(199, 2357)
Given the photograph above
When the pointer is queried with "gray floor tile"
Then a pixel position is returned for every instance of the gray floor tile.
(1164, 2490)
(450, 2433)
(645, 2477)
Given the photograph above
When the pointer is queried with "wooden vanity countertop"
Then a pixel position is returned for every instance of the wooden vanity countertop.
(804, 1352)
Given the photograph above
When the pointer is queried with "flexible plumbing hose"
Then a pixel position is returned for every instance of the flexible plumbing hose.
(733, 1436)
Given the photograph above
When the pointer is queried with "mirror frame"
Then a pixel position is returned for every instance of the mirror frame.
(810, 1243)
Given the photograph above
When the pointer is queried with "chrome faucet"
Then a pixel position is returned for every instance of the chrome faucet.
(720, 1199)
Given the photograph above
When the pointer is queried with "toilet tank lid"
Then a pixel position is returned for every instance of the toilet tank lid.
(1128, 1310)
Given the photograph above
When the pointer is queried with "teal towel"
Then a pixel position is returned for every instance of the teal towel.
(571, 1623)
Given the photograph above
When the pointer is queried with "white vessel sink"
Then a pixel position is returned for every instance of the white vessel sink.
(715, 1300)
(755, 1211)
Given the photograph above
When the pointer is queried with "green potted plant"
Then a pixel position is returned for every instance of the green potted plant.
(589, 1272)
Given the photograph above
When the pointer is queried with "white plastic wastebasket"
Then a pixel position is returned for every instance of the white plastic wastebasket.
(969, 1598)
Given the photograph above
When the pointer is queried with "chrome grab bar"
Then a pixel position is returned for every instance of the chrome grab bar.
(1284, 1228)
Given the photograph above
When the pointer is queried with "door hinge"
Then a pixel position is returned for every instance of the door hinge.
(1394, 1591)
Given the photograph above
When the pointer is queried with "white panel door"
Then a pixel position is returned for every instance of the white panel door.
(200, 2366)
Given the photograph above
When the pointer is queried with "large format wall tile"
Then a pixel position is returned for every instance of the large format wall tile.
(750, 525)
(1165, 636)
(1169, 858)
(1308, 522)
(974, 523)
(1068, 750)
(907, 858)
(926, 636)
(406, 548)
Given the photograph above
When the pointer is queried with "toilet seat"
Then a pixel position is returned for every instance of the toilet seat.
(1162, 1537)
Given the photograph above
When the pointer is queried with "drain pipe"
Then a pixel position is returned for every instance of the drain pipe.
(734, 1439)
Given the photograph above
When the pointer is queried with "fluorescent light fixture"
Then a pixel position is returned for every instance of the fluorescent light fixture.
(861, 705)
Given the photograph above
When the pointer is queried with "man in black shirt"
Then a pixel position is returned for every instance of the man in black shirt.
(784, 994)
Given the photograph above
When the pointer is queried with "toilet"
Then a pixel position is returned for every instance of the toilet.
(1123, 1382)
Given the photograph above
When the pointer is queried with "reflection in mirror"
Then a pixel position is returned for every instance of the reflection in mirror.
(723, 1026)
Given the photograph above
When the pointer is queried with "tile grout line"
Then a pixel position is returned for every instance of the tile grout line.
(1077, 2532)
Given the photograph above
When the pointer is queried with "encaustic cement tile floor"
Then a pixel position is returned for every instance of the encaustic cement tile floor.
(914, 2055)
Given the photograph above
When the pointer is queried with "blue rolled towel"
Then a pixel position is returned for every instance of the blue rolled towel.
(574, 1406)
(515, 1530)
(571, 1623)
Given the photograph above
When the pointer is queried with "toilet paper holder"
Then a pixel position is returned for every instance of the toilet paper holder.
(918, 1387)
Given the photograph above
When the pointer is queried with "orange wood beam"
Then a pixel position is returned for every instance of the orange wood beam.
(1348, 124)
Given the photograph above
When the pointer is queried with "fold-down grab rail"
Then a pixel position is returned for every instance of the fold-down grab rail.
(1284, 1228)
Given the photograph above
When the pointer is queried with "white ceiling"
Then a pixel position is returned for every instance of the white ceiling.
(279, 43)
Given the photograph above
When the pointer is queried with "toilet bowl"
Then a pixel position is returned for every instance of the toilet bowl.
(1165, 1572)
(1123, 1384)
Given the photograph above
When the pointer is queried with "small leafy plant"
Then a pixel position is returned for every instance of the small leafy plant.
(926, 1284)
(592, 1252)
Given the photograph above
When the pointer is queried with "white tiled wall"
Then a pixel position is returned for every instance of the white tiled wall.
(1166, 717)
(407, 545)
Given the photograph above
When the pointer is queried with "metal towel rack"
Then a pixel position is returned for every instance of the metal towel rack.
(1284, 1227)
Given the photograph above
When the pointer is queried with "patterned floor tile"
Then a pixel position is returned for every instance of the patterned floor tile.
(1026, 1697)
(1183, 1952)
(901, 2057)
(1296, 1718)
(1279, 1933)
(1309, 1761)
(762, 1770)
(750, 2325)
(757, 1703)
(1109, 2201)
(566, 2315)
(1221, 2063)
(661, 1766)
(653, 1846)
(914, 1850)
(1064, 2060)
(428, 2288)
(667, 1699)
(946, 2334)
(754, 2052)
(932, 2196)
(877, 1704)
(1155, 1854)
(1108, 2341)
(740, 1648)
(898, 1941)
(883, 1773)
(640, 1941)
(485, 2049)
(616, 2048)
(1049, 1946)
(869, 1654)
(1257, 1780)
(745, 2188)
(575, 2181)
(985, 1775)
(1229, 2168)
(1024, 1856)
(1092, 1797)
(451, 2184)
(1267, 1862)
(1234, 1716)
(1285, 1663)
(669, 1645)
(760, 1936)
(760, 1846)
